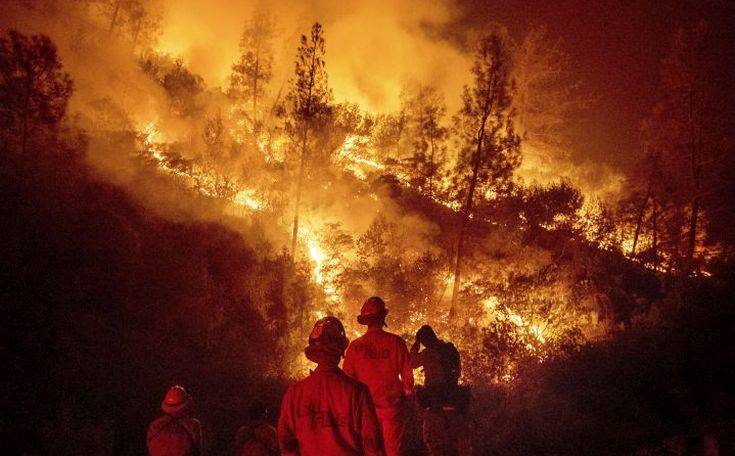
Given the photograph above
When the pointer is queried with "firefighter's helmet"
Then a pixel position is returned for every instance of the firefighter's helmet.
(327, 336)
(372, 309)
(176, 400)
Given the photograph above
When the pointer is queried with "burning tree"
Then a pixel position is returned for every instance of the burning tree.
(309, 102)
(490, 148)
(425, 110)
(252, 72)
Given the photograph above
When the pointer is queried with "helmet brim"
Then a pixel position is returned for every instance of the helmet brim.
(176, 408)
(365, 319)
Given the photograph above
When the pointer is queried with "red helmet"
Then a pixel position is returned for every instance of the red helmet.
(373, 308)
(176, 400)
(327, 336)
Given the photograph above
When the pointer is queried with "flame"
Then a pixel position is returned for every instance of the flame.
(247, 198)
(355, 156)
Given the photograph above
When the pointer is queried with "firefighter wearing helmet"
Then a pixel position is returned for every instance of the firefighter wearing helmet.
(380, 360)
(175, 433)
(328, 413)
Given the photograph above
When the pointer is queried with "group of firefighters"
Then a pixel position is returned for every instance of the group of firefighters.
(363, 408)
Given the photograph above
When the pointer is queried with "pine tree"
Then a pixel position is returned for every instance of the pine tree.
(425, 110)
(253, 70)
(489, 147)
(309, 102)
(34, 91)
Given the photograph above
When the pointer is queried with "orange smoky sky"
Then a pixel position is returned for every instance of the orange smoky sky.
(373, 47)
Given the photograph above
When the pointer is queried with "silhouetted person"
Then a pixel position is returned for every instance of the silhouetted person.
(443, 402)
(380, 360)
(175, 433)
(257, 437)
(328, 412)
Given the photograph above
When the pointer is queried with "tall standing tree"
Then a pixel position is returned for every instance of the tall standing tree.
(253, 70)
(690, 127)
(426, 111)
(34, 91)
(182, 87)
(546, 93)
(309, 102)
(489, 146)
(390, 131)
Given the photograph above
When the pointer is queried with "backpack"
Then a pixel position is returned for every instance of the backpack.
(450, 362)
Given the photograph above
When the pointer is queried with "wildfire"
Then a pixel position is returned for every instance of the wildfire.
(532, 331)
(355, 162)
(204, 182)
(354, 154)
(319, 257)
(247, 198)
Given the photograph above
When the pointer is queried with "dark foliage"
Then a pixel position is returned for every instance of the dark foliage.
(106, 305)
(658, 389)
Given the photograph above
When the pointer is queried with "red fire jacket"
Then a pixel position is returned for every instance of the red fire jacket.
(328, 413)
(175, 435)
(381, 361)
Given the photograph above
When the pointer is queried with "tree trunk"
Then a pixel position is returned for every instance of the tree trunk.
(255, 91)
(138, 25)
(114, 16)
(465, 217)
(639, 220)
(692, 238)
(26, 107)
(694, 149)
(302, 165)
(654, 229)
(299, 185)
(431, 163)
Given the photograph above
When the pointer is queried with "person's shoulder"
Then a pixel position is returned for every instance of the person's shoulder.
(347, 381)
(294, 387)
(358, 340)
(355, 385)
(161, 420)
(395, 337)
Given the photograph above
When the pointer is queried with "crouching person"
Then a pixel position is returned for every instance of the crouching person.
(175, 433)
(328, 413)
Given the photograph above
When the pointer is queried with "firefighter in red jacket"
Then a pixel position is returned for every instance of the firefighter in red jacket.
(175, 433)
(328, 413)
(381, 361)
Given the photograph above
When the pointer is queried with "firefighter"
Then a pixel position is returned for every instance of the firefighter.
(175, 433)
(257, 437)
(381, 361)
(443, 401)
(328, 413)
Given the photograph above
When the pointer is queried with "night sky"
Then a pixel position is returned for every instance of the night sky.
(615, 48)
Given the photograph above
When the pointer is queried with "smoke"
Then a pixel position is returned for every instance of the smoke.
(373, 47)
(596, 181)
